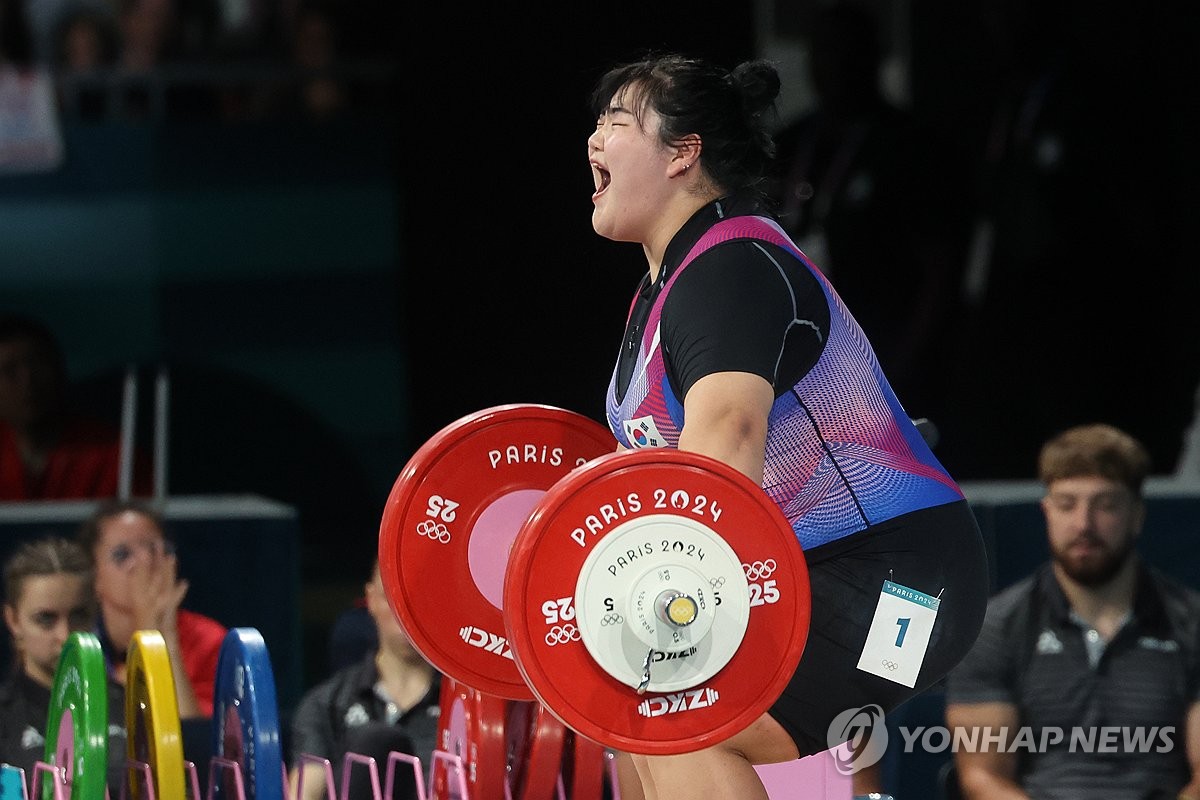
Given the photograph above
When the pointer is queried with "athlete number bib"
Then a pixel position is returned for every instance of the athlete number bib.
(899, 634)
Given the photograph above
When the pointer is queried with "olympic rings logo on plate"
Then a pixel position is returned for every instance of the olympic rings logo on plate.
(891, 666)
(612, 619)
(717, 582)
(562, 634)
(759, 569)
(434, 530)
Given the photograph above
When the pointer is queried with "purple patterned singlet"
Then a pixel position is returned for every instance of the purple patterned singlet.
(841, 452)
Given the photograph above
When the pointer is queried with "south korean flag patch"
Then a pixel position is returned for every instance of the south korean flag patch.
(642, 432)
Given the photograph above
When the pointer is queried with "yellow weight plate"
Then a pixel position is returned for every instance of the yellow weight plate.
(152, 716)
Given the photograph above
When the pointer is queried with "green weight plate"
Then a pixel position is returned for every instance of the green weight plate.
(77, 721)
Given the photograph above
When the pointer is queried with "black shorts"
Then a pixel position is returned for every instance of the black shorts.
(934, 550)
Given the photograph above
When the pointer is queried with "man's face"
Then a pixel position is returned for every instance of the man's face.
(391, 635)
(1092, 523)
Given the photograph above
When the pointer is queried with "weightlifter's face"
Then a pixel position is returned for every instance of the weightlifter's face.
(629, 170)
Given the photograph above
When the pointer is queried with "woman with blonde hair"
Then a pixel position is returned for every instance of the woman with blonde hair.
(47, 596)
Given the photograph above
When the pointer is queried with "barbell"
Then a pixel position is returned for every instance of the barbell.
(654, 601)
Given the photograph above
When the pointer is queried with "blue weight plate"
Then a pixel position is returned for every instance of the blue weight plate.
(246, 717)
(12, 783)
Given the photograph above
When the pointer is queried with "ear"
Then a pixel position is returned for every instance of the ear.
(10, 619)
(686, 154)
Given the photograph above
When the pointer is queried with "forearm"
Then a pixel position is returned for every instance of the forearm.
(726, 418)
(736, 445)
(185, 694)
(986, 774)
(983, 785)
(312, 787)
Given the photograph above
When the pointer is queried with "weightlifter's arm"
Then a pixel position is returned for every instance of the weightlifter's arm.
(725, 417)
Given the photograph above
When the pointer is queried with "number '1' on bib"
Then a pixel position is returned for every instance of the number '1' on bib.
(899, 634)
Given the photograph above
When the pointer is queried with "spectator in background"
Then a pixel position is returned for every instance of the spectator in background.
(46, 19)
(85, 44)
(47, 451)
(319, 94)
(146, 27)
(47, 596)
(138, 588)
(1095, 639)
(878, 202)
(85, 40)
(157, 35)
(388, 701)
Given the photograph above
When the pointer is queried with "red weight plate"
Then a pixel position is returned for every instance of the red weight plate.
(535, 750)
(487, 763)
(636, 491)
(473, 727)
(584, 765)
(449, 523)
(452, 738)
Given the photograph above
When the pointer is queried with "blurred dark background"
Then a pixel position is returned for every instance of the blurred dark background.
(342, 226)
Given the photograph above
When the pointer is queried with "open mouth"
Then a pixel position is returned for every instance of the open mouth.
(602, 178)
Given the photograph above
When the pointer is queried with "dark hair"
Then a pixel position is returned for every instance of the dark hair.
(1095, 450)
(52, 555)
(727, 110)
(19, 326)
(89, 531)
